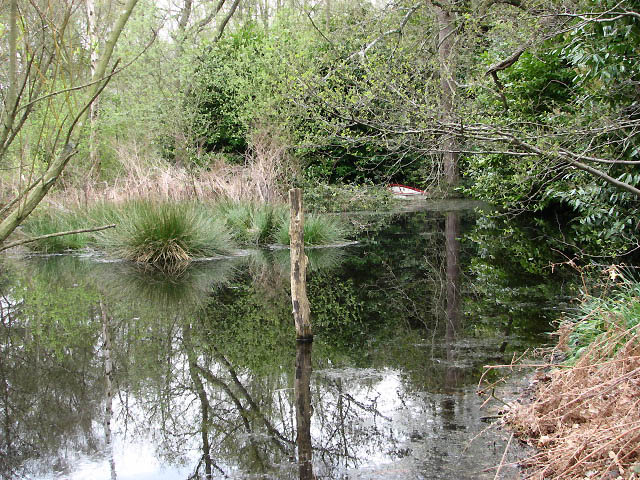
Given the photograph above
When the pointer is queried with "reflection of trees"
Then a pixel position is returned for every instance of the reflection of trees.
(202, 363)
(452, 247)
(243, 435)
(108, 388)
(246, 424)
(47, 374)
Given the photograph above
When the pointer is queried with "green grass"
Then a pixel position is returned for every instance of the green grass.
(165, 235)
(169, 235)
(47, 222)
(318, 230)
(609, 322)
(251, 224)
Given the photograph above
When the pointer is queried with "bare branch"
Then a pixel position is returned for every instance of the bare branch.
(207, 20)
(363, 51)
(52, 235)
(225, 20)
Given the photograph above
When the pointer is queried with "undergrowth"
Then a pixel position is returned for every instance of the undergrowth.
(170, 234)
(583, 416)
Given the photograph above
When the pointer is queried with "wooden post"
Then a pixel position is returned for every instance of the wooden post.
(301, 311)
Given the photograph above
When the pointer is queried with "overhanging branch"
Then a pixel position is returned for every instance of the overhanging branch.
(52, 235)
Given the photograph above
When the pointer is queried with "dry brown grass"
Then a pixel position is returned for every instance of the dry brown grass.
(263, 178)
(584, 420)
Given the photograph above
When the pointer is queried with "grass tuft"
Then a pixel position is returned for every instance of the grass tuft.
(47, 222)
(318, 230)
(165, 235)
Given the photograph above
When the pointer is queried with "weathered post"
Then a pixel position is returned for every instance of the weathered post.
(301, 311)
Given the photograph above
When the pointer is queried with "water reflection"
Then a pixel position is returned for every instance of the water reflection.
(453, 317)
(107, 371)
(303, 409)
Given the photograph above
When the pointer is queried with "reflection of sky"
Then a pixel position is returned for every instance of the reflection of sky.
(366, 424)
(133, 460)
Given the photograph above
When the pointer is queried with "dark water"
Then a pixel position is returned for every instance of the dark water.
(207, 379)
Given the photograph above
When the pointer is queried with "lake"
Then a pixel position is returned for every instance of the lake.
(111, 371)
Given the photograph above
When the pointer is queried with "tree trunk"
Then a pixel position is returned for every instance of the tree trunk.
(110, 44)
(446, 59)
(11, 99)
(94, 161)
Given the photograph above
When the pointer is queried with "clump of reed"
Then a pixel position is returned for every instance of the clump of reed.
(168, 235)
(165, 234)
(318, 230)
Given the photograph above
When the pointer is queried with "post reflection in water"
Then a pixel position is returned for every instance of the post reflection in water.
(303, 409)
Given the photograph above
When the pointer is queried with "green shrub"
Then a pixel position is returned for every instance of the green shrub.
(610, 321)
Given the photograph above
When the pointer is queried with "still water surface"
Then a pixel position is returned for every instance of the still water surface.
(111, 372)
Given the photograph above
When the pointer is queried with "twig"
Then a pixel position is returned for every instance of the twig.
(504, 455)
(598, 450)
(58, 234)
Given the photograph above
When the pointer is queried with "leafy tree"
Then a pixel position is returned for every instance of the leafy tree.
(39, 90)
(572, 118)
